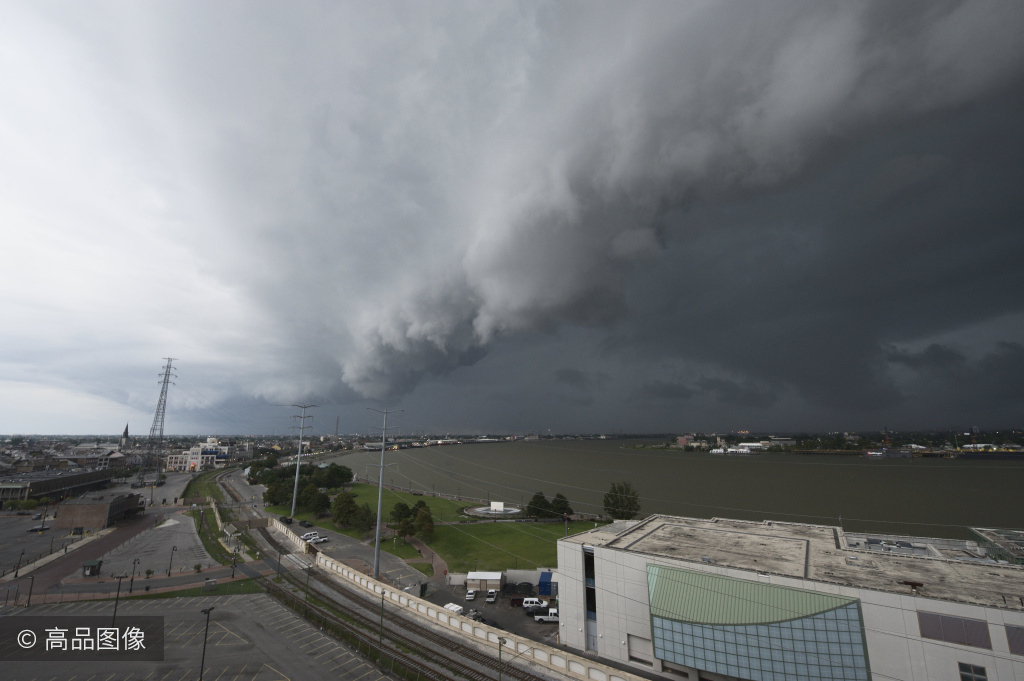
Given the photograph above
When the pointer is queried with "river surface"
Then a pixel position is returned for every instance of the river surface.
(921, 497)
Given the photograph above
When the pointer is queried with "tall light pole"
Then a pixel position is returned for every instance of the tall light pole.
(173, 549)
(202, 662)
(380, 489)
(298, 457)
(117, 597)
(31, 584)
(131, 584)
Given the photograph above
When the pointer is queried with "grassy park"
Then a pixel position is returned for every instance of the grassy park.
(464, 543)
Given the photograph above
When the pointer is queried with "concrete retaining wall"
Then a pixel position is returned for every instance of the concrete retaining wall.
(555, 659)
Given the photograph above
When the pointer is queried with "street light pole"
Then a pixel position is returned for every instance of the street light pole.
(18, 566)
(202, 662)
(117, 597)
(131, 584)
(173, 549)
(31, 584)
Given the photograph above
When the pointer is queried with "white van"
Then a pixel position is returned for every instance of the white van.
(454, 607)
(530, 602)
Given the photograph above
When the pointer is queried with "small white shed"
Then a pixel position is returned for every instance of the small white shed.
(482, 581)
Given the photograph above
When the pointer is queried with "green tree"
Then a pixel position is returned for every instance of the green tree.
(560, 505)
(307, 493)
(407, 527)
(344, 509)
(400, 512)
(539, 506)
(622, 501)
(364, 519)
(424, 523)
(320, 505)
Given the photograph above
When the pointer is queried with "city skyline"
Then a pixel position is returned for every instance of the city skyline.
(599, 218)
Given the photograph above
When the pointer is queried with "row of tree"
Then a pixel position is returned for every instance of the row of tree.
(621, 502)
(315, 483)
(405, 520)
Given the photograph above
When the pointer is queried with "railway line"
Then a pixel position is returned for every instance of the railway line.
(354, 616)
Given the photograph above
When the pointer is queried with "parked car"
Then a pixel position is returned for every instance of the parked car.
(527, 602)
(492, 595)
(305, 523)
(286, 520)
(38, 528)
(318, 540)
(37, 516)
(309, 535)
(551, 616)
(470, 594)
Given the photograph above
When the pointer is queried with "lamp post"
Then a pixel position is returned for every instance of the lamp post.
(31, 584)
(18, 566)
(173, 549)
(117, 597)
(501, 643)
(202, 662)
(309, 571)
(131, 584)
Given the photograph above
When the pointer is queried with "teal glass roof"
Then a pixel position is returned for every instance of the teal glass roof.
(692, 596)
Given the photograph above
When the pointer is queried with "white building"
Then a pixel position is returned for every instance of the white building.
(205, 455)
(730, 599)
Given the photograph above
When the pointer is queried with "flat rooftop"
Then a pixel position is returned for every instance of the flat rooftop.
(815, 552)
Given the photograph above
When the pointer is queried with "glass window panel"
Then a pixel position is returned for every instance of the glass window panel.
(977, 634)
(1015, 639)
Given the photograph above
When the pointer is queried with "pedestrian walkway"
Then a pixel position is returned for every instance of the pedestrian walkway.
(440, 567)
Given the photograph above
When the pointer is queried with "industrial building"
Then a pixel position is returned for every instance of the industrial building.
(721, 599)
(95, 512)
(53, 485)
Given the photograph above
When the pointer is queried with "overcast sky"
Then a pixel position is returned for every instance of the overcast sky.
(512, 217)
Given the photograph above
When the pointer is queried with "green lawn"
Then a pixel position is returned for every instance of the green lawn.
(501, 546)
(203, 486)
(469, 544)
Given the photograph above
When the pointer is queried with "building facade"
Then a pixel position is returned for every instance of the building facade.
(726, 599)
(203, 456)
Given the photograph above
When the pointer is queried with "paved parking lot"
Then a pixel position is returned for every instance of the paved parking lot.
(501, 613)
(251, 638)
(15, 538)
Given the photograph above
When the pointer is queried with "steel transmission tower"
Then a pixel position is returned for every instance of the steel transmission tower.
(156, 431)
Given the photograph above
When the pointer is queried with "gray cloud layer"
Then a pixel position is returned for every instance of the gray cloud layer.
(687, 216)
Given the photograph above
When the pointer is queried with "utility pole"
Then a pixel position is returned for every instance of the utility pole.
(156, 431)
(298, 457)
(380, 489)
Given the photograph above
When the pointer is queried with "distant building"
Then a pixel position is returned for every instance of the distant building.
(730, 599)
(97, 512)
(54, 485)
(203, 456)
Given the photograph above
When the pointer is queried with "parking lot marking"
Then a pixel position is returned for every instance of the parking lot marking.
(280, 676)
(369, 671)
(187, 673)
(239, 673)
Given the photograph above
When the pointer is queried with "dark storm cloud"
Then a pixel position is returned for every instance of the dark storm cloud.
(758, 207)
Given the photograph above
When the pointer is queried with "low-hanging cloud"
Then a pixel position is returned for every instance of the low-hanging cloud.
(389, 189)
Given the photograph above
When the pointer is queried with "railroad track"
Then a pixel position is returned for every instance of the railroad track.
(437, 656)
